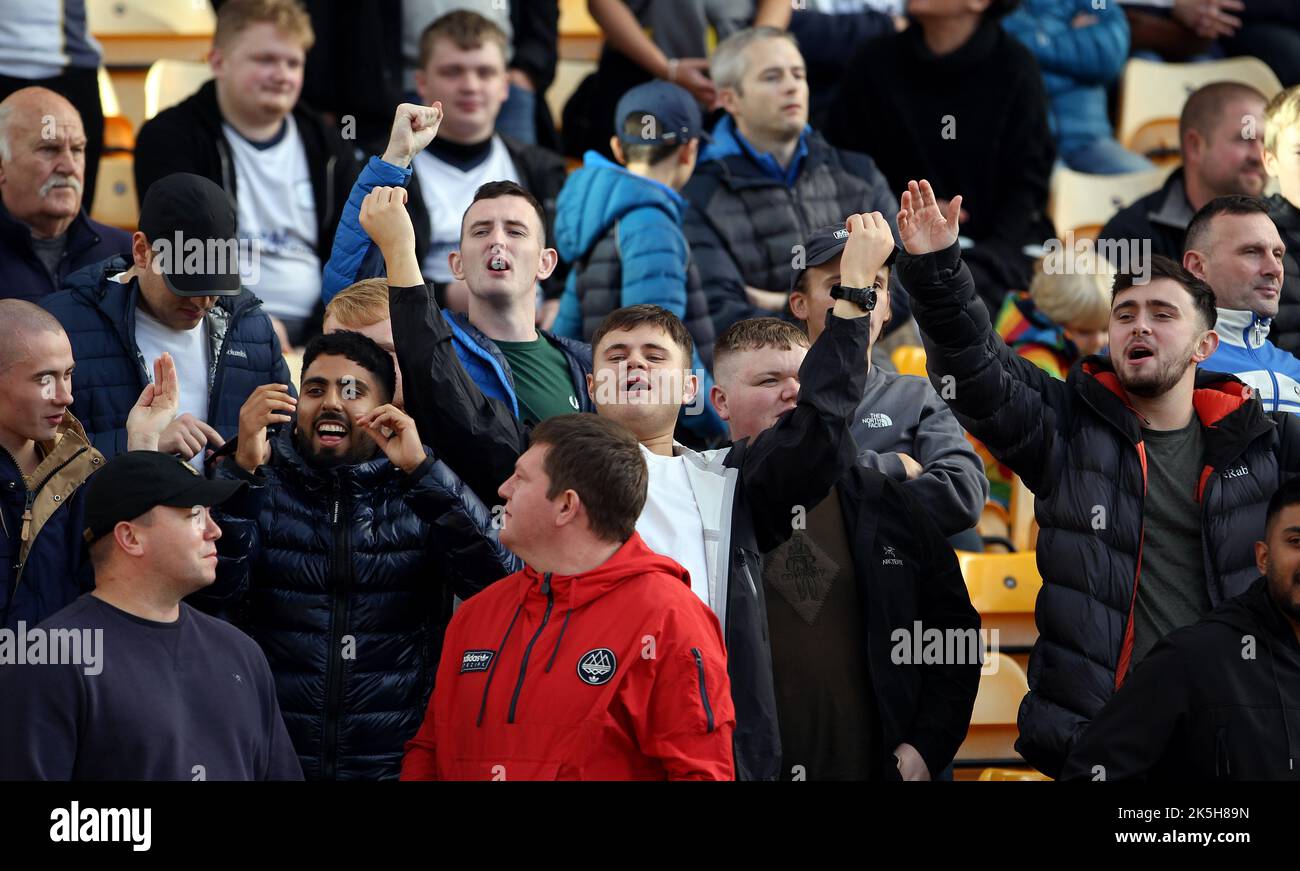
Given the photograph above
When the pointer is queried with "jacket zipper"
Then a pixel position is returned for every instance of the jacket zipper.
(340, 576)
(704, 690)
(219, 364)
(27, 518)
(523, 665)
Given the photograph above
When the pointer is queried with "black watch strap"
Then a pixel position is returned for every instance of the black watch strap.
(863, 297)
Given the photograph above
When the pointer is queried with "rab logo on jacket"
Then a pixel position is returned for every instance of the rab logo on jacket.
(597, 666)
(476, 660)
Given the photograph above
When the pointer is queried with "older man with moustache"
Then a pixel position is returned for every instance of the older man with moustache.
(45, 234)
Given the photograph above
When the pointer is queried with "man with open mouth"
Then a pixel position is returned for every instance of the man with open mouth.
(343, 560)
(1150, 476)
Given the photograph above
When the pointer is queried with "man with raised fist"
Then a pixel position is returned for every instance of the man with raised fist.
(342, 560)
(1150, 476)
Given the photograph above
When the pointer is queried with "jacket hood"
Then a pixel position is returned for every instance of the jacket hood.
(632, 559)
(1020, 322)
(597, 195)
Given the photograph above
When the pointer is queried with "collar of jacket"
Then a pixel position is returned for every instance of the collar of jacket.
(286, 457)
(1284, 214)
(479, 344)
(1221, 402)
(1174, 209)
(1242, 329)
(1253, 609)
(68, 461)
(572, 592)
(743, 163)
(81, 234)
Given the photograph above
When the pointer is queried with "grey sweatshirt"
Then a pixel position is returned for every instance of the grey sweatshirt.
(903, 414)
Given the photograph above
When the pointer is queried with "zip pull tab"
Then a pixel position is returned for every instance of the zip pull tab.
(546, 584)
(27, 516)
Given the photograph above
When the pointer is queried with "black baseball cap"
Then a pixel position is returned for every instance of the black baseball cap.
(183, 210)
(824, 245)
(132, 483)
(671, 116)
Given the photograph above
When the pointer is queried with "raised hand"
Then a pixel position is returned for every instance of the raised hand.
(414, 127)
(403, 447)
(922, 225)
(385, 220)
(156, 408)
(268, 404)
(868, 247)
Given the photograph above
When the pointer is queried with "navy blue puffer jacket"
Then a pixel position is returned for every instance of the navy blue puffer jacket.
(344, 577)
(99, 317)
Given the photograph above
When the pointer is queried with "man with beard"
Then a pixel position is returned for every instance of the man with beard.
(1212, 700)
(1150, 476)
(342, 559)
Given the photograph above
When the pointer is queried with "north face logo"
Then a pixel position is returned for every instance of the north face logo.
(597, 666)
(476, 660)
(877, 421)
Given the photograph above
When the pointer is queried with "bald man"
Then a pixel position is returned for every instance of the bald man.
(1221, 136)
(45, 458)
(45, 233)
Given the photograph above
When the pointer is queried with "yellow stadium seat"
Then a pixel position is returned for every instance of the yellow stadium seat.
(1082, 203)
(150, 18)
(170, 81)
(909, 360)
(991, 739)
(294, 360)
(1012, 774)
(1003, 588)
(1151, 91)
(115, 200)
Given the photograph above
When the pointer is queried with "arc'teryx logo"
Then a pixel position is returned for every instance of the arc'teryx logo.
(597, 666)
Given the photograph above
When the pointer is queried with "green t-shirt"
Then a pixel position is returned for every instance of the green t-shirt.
(542, 381)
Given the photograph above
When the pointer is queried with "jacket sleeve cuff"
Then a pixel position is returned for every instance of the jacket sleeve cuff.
(384, 174)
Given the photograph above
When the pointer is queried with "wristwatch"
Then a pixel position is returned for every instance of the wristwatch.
(863, 297)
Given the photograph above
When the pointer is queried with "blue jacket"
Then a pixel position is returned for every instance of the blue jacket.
(1245, 351)
(1078, 63)
(24, 276)
(99, 317)
(623, 235)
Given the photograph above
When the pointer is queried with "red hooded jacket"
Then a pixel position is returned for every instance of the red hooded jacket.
(619, 673)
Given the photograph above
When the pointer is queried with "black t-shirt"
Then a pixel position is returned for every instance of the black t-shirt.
(824, 697)
(189, 700)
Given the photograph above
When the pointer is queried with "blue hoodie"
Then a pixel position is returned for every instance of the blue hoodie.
(1245, 351)
(653, 254)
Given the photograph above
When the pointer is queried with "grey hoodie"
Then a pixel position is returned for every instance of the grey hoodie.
(903, 414)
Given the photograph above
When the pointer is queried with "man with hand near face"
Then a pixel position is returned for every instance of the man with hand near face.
(342, 559)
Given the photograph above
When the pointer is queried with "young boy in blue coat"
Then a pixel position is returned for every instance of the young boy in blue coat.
(621, 228)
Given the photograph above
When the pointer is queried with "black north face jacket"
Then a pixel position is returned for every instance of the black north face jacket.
(1078, 446)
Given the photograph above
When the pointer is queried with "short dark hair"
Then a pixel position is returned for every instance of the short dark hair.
(495, 190)
(360, 349)
(1204, 107)
(1287, 494)
(636, 152)
(632, 316)
(600, 461)
(1163, 267)
(1234, 204)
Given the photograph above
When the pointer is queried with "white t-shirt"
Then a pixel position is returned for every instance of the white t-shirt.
(447, 193)
(277, 209)
(189, 350)
(670, 522)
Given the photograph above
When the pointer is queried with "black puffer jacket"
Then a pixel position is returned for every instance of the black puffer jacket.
(1286, 326)
(1210, 702)
(344, 577)
(744, 226)
(1078, 446)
